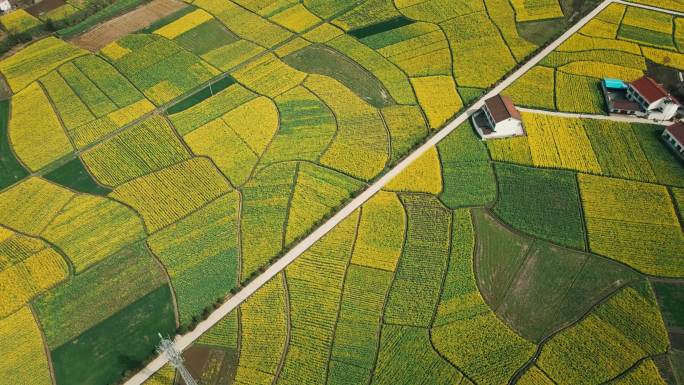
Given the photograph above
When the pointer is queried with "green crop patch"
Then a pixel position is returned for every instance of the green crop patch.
(416, 287)
(74, 175)
(383, 26)
(11, 170)
(665, 164)
(324, 60)
(671, 300)
(564, 282)
(84, 301)
(499, 262)
(466, 331)
(468, 176)
(206, 37)
(528, 196)
(200, 254)
(401, 344)
(615, 336)
(645, 36)
(130, 334)
(201, 95)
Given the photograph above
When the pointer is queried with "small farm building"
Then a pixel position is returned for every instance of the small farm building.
(498, 118)
(643, 97)
(674, 137)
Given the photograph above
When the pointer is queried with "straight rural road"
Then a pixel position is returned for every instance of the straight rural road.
(614, 118)
(184, 341)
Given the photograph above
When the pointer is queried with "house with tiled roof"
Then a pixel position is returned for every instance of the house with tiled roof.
(674, 137)
(643, 97)
(498, 118)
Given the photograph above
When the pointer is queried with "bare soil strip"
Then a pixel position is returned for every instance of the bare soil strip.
(44, 6)
(118, 27)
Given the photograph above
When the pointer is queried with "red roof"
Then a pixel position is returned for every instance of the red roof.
(649, 89)
(677, 131)
(501, 107)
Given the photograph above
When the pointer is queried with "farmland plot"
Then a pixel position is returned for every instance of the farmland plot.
(648, 240)
(616, 44)
(202, 187)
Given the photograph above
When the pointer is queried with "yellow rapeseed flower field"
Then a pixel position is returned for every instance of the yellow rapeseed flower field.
(534, 376)
(645, 373)
(423, 175)
(438, 97)
(269, 76)
(618, 226)
(361, 147)
(531, 10)
(617, 334)
(668, 58)
(90, 228)
(36, 60)
(381, 232)
(601, 70)
(145, 147)
(27, 278)
(263, 333)
(19, 21)
(559, 143)
(648, 19)
(513, 150)
(21, 346)
(579, 42)
(36, 135)
(184, 24)
(231, 154)
(30, 205)
(255, 122)
(114, 51)
(164, 196)
(296, 18)
(323, 33)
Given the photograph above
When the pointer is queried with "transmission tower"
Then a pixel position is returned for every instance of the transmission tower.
(166, 347)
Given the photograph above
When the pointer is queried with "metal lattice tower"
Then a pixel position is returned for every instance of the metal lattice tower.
(166, 347)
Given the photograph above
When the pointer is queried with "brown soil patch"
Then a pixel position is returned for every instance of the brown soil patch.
(44, 6)
(137, 19)
(195, 359)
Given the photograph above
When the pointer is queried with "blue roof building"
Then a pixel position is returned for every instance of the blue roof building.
(614, 84)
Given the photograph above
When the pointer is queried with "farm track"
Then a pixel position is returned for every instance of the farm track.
(184, 341)
(613, 118)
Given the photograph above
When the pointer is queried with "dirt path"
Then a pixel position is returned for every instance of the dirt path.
(184, 341)
(614, 118)
(118, 27)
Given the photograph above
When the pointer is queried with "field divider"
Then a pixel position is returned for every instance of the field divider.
(184, 341)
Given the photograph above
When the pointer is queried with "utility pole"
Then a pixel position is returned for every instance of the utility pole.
(166, 347)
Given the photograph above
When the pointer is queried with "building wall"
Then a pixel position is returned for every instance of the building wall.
(674, 143)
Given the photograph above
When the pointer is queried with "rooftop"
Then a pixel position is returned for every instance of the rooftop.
(677, 131)
(651, 90)
(501, 107)
(614, 84)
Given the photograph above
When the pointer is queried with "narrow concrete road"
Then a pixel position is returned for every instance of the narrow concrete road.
(184, 341)
(614, 118)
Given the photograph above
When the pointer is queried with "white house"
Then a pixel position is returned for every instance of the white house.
(674, 137)
(5, 6)
(655, 101)
(498, 118)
